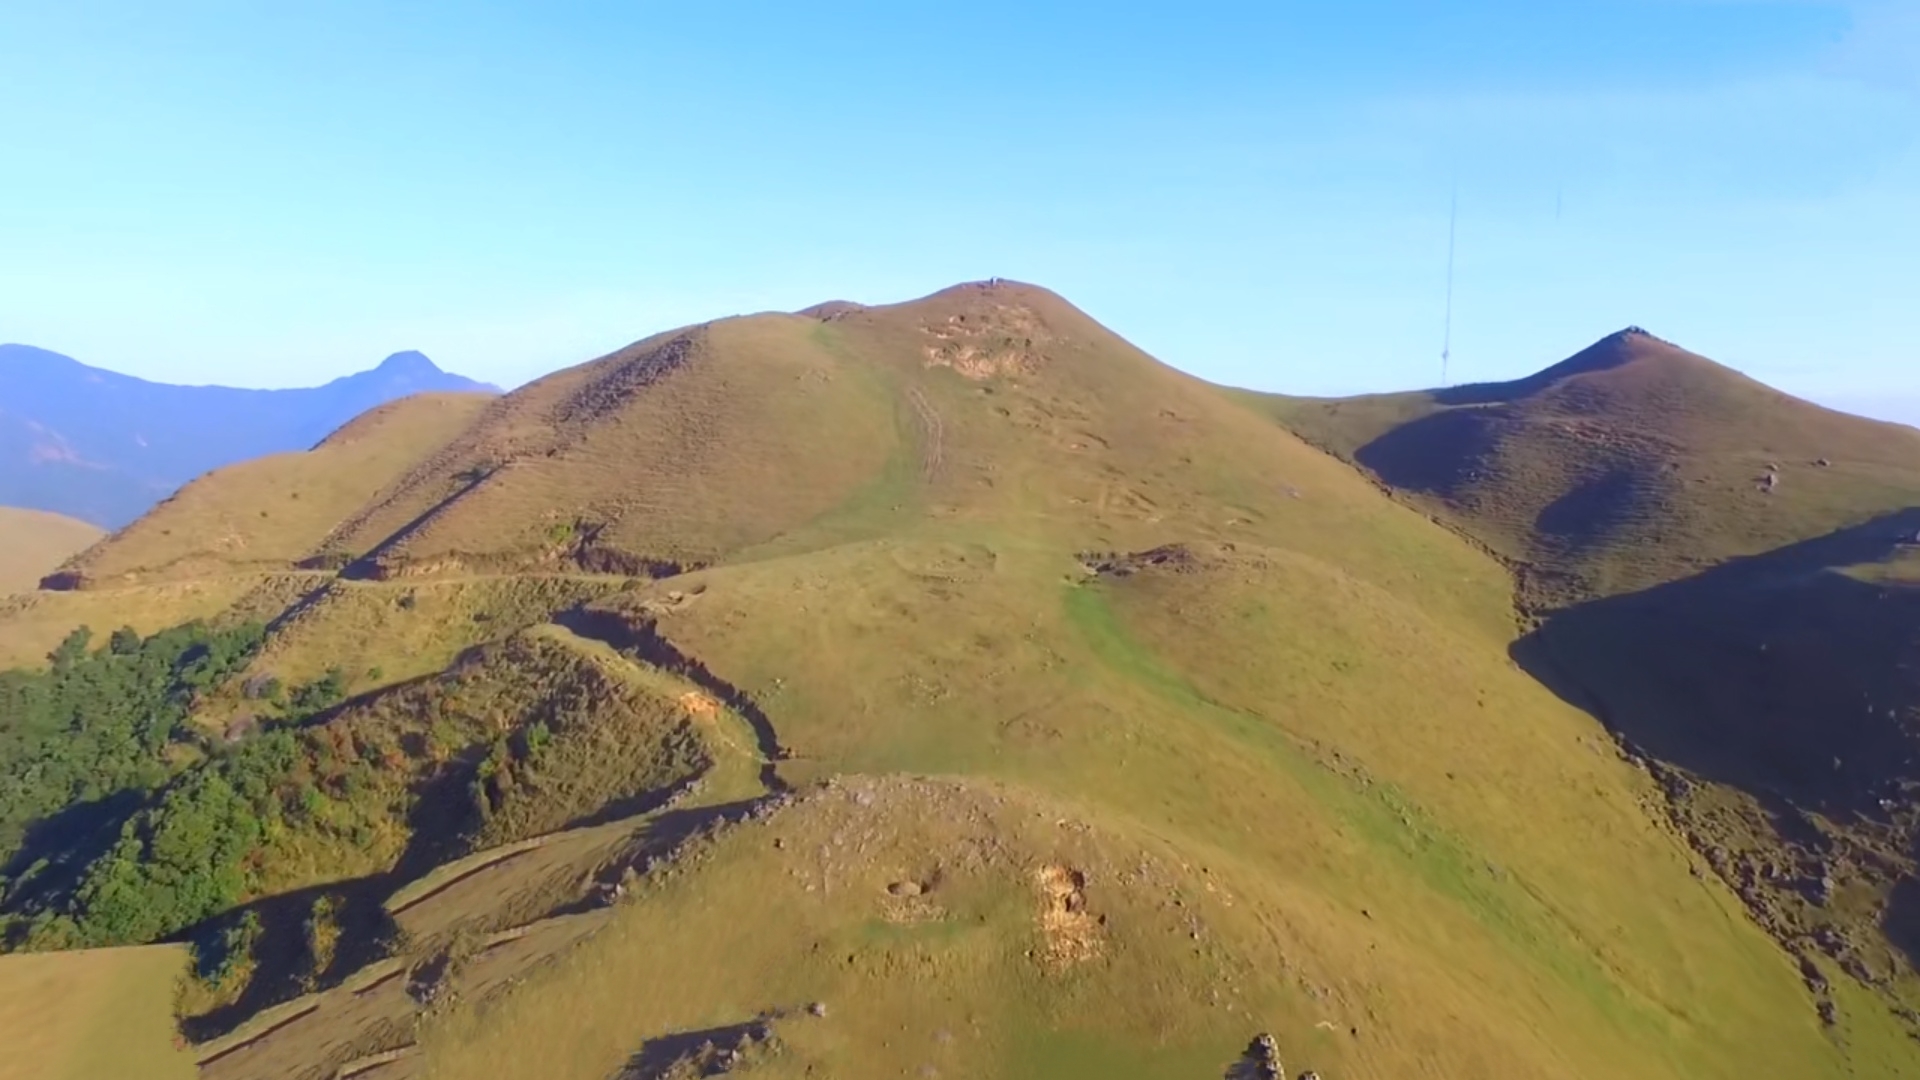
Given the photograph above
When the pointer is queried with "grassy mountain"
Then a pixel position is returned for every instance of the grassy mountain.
(1723, 574)
(1632, 463)
(941, 687)
(104, 447)
(33, 542)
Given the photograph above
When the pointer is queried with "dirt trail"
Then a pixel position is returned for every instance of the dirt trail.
(643, 640)
(365, 1023)
(934, 450)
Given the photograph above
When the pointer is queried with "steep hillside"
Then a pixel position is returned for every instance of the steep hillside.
(933, 688)
(33, 542)
(1722, 574)
(272, 512)
(237, 540)
(105, 447)
(672, 451)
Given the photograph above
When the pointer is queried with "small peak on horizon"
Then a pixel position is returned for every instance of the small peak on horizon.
(994, 283)
(408, 362)
(1639, 337)
(997, 290)
(829, 310)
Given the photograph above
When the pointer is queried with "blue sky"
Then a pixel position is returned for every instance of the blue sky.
(273, 194)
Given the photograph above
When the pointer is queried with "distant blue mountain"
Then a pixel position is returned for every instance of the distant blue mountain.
(105, 447)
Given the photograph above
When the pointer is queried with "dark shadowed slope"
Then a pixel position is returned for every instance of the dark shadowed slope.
(104, 447)
(1777, 700)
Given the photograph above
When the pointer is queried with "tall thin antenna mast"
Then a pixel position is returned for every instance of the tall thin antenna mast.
(1446, 346)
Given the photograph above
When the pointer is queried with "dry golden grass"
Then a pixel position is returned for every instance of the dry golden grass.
(681, 448)
(34, 542)
(90, 1014)
(405, 630)
(32, 623)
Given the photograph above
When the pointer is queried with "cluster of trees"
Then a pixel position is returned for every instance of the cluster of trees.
(119, 820)
(101, 721)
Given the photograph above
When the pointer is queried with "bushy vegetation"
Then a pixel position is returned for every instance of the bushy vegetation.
(583, 744)
(102, 721)
(121, 822)
(180, 859)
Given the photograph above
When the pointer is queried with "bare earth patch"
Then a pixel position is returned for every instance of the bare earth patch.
(1072, 934)
(1005, 341)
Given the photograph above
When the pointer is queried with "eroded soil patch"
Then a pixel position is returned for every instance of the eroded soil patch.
(1070, 932)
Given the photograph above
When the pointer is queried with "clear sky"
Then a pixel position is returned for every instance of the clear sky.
(272, 194)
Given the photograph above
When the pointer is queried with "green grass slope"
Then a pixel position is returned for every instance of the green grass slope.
(1042, 711)
(34, 542)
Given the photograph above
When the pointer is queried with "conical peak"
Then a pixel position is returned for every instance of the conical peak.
(1616, 350)
(408, 362)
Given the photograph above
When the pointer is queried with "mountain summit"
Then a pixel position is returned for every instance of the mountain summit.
(105, 447)
(409, 364)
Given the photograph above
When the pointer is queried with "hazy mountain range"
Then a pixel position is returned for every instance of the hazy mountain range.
(104, 447)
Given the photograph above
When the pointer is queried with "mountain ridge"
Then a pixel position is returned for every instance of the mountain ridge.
(944, 686)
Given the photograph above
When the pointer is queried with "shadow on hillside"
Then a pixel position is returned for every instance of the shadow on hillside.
(56, 850)
(1434, 454)
(1445, 454)
(664, 835)
(283, 967)
(708, 1052)
(368, 566)
(1591, 512)
(1771, 674)
(367, 931)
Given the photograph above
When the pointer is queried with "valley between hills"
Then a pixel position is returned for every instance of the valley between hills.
(948, 688)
